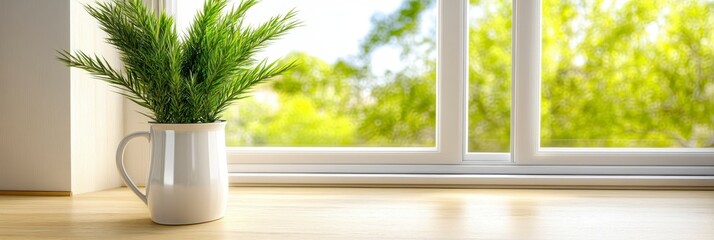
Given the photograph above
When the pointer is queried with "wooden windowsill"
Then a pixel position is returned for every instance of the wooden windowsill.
(377, 213)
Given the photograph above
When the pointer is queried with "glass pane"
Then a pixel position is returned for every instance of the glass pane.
(366, 77)
(628, 73)
(489, 76)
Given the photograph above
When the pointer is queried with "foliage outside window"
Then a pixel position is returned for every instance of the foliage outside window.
(615, 73)
(352, 101)
(619, 73)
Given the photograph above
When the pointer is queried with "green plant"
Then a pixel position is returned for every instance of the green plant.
(187, 80)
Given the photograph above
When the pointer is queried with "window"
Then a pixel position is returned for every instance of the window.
(489, 79)
(627, 74)
(522, 86)
(596, 55)
(364, 90)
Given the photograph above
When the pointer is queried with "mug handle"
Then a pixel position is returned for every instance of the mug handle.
(120, 163)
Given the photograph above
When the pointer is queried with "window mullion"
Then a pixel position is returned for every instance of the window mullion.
(525, 114)
(452, 77)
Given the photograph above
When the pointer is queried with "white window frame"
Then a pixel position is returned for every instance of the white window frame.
(450, 155)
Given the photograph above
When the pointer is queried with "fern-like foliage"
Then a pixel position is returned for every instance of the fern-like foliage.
(188, 80)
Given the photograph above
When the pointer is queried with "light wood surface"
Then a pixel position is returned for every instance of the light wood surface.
(377, 213)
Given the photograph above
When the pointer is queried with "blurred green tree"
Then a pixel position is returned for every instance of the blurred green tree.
(628, 73)
(615, 73)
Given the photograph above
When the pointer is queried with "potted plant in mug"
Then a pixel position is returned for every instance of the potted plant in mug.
(185, 83)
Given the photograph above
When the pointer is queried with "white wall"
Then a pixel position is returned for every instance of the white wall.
(58, 127)
(96, 110)
(34, 96)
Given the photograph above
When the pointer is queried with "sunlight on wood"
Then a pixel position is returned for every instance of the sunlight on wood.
(377, 213)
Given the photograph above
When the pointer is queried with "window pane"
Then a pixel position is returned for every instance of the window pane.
(489, 76)
(366, 77)
(628, 73)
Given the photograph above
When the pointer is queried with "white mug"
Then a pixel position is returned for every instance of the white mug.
(188, 177)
